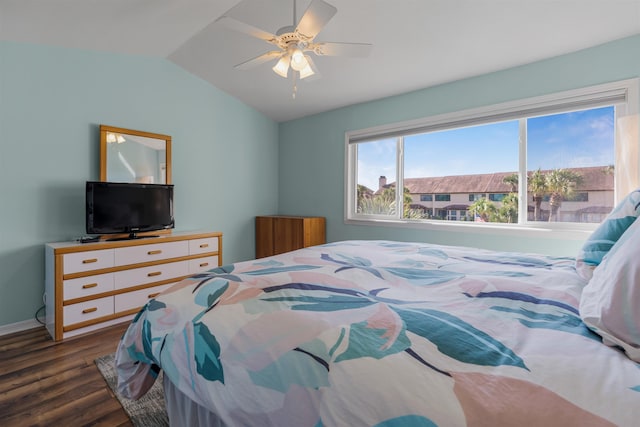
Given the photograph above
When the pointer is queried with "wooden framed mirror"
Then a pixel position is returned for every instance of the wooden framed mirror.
(128, 155)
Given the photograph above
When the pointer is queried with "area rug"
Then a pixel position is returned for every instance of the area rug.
(149, 410)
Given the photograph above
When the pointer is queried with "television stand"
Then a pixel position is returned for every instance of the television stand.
(89, 286)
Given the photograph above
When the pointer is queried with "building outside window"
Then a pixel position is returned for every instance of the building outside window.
(579, 197)
(497, 197)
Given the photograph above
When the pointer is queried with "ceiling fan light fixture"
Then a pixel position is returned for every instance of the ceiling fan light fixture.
(306, 71)
(282, 67)
(298, 60)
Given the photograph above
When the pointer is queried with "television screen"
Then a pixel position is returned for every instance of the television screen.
(117, 207)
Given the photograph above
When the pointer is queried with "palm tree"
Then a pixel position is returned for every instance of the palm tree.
(384, 203)
(508, 212)
(538, 188)
(512, 181)
(363, 192)
(379, 204)
(561, 184)
(484, 208)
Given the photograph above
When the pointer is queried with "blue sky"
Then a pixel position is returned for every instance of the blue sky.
(576, 139)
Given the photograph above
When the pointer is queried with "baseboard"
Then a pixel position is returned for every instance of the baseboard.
(19, 326)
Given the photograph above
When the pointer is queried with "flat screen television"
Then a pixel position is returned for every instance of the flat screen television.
(119, 208)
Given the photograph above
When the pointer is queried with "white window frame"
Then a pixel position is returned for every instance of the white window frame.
(624, 94)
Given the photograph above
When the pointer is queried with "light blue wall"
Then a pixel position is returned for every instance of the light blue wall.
(312, 149)
(52, 101)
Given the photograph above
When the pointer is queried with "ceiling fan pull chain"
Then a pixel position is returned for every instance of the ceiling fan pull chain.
(295, 86)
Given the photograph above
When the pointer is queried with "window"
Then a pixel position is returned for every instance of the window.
(575, 197)
(375, 197)
(578, 197)
(497, 197)
(549, 159)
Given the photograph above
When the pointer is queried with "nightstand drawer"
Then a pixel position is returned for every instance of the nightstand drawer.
(202, 264)
(155, 273)
(86, 261)
(85, 286)
(153, 252)
(136, 299)
(201, 246)
(88, 310)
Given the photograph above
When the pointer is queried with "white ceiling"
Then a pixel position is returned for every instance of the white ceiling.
(416, 43)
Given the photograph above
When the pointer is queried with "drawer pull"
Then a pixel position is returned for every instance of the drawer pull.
(153, 295)
(156, 252)
(89, 285)
(204, 264)
(89, 310)
(89, 261)
(154, 273)
(204, 245)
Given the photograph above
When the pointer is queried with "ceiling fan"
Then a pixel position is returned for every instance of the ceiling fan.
(294, 42)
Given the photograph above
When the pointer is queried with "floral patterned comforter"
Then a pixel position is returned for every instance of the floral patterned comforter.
(381, 333)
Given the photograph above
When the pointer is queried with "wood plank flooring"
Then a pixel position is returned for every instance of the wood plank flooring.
(44, 383)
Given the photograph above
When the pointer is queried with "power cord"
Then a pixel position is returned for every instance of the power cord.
(43, 308)
(37, 312)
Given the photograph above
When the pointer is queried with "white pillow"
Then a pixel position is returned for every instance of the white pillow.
(607, 234)
(610, 302)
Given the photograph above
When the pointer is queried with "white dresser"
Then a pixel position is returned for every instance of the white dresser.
(93, 285)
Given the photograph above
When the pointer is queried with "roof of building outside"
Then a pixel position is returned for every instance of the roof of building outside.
(593, 179)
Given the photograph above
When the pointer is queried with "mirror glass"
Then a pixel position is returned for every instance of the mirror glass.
(128, 155)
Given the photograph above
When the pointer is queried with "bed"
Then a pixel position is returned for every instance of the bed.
(382, 333)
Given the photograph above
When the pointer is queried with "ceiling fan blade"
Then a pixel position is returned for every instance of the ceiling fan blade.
(315, 18)
(340, 49)
(242, 27)
(260, 59)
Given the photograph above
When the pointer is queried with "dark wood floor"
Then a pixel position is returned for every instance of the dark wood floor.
(43, 383)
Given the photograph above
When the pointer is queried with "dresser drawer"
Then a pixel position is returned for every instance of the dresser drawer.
(86, 261)
(202, 264)
(200, 246)
(88, 310)
(155, 273)
(85, 286)
(153, 252)
(136, 299)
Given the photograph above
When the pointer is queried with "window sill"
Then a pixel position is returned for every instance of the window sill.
(569, 231)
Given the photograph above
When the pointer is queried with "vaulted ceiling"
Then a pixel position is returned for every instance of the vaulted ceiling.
(416, 43)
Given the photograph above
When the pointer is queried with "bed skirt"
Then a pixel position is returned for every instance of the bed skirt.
(183, 411)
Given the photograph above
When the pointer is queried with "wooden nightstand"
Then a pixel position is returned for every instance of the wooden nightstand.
(276, 234)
